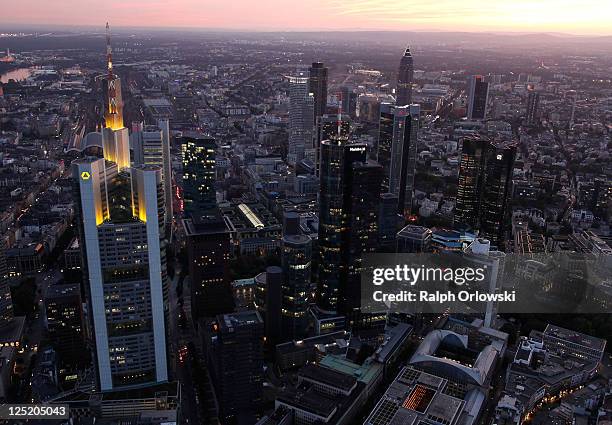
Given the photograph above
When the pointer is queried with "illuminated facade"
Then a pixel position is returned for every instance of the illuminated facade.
(405, 76)
(198, 157)
(151, 146)
(113, 112)
(121, 233)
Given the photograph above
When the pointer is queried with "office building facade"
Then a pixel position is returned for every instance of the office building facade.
(478, 95)
(301, 117)
(121, 233)
(317, 85)
(198, 157)
(397, 151)
(296, 259)
(208, 253)
(234, 350)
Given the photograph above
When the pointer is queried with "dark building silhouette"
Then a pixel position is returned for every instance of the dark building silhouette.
(208, 250)
(478, 94)
(337, 157)
(274, 294)
(397, 151)
(291, 223)
(386, 125)
(364, 181)
(388, 220)
(198, 156)
(328, 127)
(296, 260)
(64, 318)
(348, 222)
(348, 99)
(469, 187)
(317, 85)
(405, 77)
(234, 352)
(495, 208)
(483, 191)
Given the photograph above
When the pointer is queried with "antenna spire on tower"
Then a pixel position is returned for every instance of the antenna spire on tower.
(109, 53)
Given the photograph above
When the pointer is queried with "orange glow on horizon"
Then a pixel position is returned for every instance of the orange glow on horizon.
(569, 16)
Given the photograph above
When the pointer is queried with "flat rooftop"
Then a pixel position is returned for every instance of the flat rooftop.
(575, 337)
(328, 376)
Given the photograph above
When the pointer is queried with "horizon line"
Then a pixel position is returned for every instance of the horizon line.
(304, 30)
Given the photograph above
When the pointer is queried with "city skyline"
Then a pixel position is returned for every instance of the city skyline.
(294, 229)
(590, 17)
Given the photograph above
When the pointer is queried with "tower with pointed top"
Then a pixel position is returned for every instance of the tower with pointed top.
(405, 76)
(113, 114)
(120, 212)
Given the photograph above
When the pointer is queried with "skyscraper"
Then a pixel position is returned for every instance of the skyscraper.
(115, 137)
(363, 187)
(296, 260)
(495, 209)
(348, 99)
(337, 157)
(121, 233)
(151, 146)
(478, 94)
(405, 76)
(388, 221)
(397, 151)
(198, 157)
(329, 126)
(469, 187)
(234, 349)
(317, 85)
(121, 225)
(64, 319)
(113, 111)
(208, 252)
(348, 222)
(301, 117)
(483, 191)
(533, 103)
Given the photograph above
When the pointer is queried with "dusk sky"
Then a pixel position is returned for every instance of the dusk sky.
(570, 16)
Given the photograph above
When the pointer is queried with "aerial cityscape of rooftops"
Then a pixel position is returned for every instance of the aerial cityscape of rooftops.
(186, 216)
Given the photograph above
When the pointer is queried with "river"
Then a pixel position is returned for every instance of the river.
(18, 74)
